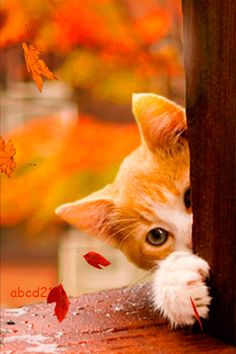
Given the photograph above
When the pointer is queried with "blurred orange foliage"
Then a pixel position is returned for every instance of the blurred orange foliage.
(54, 163)
(12, 22)
(105, 50)
(128, 34)
(93, 23)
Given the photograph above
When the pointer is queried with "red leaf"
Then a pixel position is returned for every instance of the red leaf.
(95, 260)
(58, 295)
(196, 314)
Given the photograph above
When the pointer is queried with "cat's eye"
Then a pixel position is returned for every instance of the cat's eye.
(157, 236)
(188, 198)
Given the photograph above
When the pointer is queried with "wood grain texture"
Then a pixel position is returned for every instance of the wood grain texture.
(210, 64)
(117, 321)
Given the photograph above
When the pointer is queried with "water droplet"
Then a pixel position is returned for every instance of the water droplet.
(109, 330)
(117, 307)
(80, 308)
(4, 330)
(58, 334)
(98, 310)
(16, 312)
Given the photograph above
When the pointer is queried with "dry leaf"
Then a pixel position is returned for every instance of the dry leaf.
(7, 153)
(36, 66)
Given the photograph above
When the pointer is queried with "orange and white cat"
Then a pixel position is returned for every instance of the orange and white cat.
(146, 211)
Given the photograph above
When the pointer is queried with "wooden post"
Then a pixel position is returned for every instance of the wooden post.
(210, 64)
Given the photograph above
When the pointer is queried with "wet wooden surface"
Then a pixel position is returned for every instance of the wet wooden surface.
(209, 53)
(116, 321)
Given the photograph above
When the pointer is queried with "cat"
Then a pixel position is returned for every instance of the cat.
(146, 211)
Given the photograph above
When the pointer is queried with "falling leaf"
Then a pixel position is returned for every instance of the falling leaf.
(7, 153)
(36, 66)
(58, 295)
(96, 260)
(196, 314)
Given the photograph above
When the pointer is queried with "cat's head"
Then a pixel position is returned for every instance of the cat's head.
(146, 211)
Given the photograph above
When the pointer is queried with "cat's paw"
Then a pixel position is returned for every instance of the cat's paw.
(180, 276)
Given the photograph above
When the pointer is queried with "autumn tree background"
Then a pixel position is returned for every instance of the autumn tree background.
(71, 138)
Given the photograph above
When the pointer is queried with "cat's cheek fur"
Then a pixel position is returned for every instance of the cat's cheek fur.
(181, 276)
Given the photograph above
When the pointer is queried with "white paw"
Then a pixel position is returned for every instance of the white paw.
(181, 276)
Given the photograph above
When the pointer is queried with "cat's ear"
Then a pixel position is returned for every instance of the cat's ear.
(161, 121)
(91, 214)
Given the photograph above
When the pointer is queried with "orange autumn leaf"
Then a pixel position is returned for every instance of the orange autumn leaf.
(7, 153)
(36, 66)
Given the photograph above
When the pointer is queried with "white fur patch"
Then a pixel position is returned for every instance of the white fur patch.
(173, 217)
(181, 276)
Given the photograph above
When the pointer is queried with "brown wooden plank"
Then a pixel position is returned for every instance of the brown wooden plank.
(116, 321)
(210, 63)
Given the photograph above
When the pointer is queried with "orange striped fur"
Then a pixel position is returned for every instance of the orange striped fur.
(147, 191)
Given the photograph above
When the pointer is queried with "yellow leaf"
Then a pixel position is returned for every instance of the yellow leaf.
(36, 66)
